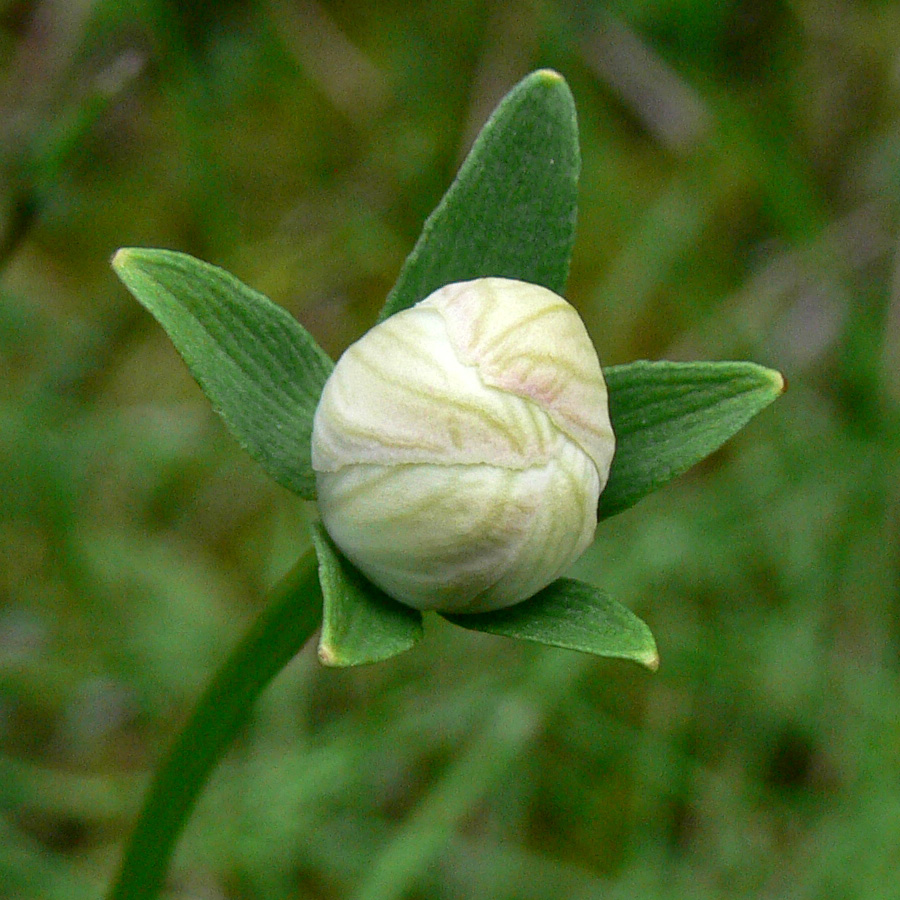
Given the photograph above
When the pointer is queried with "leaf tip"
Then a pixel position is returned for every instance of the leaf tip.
(120, 258)
(549, 76)
(328, 656)
(650, 659)
(770, 380)
(778, 381)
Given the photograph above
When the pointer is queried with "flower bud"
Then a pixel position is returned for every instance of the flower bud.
(460, 446)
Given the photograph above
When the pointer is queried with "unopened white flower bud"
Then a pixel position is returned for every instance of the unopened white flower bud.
(460, 446)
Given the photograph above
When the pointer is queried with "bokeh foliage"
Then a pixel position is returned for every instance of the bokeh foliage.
(739, 199)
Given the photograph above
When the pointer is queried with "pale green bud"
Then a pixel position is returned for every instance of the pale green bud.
(460, 446)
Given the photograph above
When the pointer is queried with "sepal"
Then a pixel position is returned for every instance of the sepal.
(260, 368)
(360, 623)
(575, 616)
(668, 416)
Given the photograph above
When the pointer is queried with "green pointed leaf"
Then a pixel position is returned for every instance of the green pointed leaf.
(259, 367)
(360, 623)
(511, 210)
(572, 615)
(667, 416)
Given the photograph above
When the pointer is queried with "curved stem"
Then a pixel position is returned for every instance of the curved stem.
(293, 613)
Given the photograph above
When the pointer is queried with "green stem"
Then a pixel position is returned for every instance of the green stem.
(293, 613)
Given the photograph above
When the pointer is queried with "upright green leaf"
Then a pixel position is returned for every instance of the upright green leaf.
(260, 368)
(572, 615)
(511, 210)
(667, 416)
(360, 623)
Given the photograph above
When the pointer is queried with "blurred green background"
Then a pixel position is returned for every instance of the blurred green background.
(739, 199)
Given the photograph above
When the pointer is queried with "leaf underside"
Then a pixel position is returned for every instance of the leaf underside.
(259, 367)
(572, 615)
(511, 210)
(668, 416)
(360, 623)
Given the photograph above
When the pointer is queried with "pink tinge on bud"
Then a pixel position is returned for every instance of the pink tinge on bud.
(460, 447)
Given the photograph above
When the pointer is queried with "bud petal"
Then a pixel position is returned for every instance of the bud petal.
(460, 446)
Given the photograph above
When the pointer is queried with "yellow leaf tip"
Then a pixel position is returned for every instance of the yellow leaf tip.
(120, 258)
(327, 656)
(549, 75)
(650, 660)
(775, 378)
